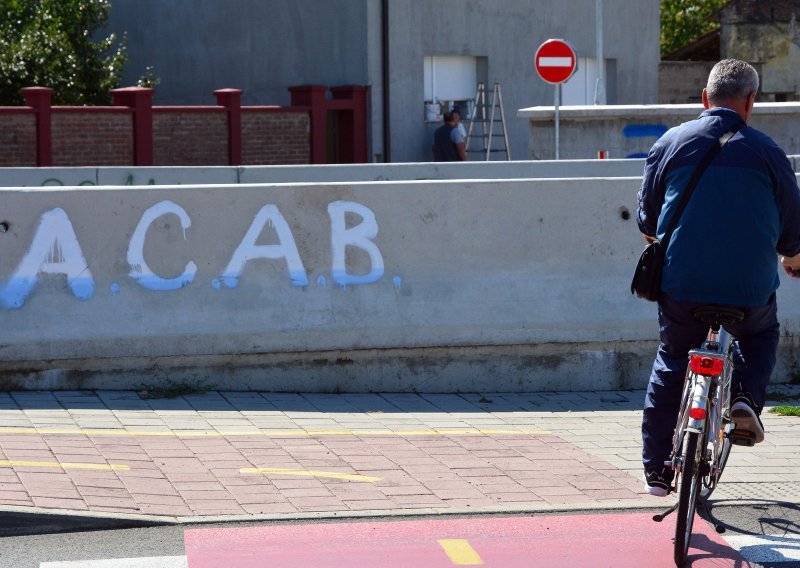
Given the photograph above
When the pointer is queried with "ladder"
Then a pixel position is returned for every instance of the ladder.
(479, 116)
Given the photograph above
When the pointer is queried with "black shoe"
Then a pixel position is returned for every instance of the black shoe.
(659, 483)
(748, 429)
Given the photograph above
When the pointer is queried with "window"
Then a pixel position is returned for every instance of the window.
(450, 81)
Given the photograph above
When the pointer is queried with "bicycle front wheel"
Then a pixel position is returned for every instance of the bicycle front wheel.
(687, 500)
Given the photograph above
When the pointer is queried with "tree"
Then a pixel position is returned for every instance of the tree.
(51, 43)
(683, 21)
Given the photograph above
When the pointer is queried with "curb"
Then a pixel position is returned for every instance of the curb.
(18, 521)
(21, 521)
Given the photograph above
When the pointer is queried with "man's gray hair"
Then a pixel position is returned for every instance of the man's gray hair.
(731, 80)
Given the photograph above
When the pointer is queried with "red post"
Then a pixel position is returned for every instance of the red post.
(354, 129)
(231, 99)
(140, 101)
(40, 99)
(313, 96)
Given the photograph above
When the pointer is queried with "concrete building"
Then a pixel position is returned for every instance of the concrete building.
(406, 51)
(763, 33)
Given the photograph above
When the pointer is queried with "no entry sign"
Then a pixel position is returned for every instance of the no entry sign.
(556, 61)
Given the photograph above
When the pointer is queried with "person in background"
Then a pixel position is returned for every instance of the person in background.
(460, 125)
(448, 145)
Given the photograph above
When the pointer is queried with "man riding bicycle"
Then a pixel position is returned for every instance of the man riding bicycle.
(745, 208)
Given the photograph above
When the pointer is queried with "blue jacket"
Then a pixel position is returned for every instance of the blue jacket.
(745, 208)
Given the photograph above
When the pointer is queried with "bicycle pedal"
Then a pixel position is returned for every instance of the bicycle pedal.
(742, 437)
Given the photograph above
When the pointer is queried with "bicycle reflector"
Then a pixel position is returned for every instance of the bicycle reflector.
(708, 366)
(697, 413)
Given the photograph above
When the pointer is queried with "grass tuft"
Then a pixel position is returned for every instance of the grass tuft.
(786, 410)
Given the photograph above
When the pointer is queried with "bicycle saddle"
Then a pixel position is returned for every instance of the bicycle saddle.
(717, 315)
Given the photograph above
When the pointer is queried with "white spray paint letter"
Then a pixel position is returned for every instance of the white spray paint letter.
(249, 250)
(140, 271)
(54, 250)
(359, 236)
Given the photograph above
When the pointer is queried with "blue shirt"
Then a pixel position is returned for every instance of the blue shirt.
(745, 208)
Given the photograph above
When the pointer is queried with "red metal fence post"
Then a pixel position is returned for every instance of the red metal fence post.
(140, 101)
(313, 97)
(40, 99)
(231, 99)
(354, 130)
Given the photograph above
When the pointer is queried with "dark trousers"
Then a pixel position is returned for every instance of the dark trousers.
(757, 335)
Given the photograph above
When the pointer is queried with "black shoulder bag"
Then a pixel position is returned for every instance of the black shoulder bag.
(646, 283)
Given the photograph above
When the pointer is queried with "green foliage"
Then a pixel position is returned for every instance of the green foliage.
(51, 43)
(786, 410)
(683, 21)
(149, 78)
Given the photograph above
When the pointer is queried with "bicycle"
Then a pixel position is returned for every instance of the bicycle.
(704, 431)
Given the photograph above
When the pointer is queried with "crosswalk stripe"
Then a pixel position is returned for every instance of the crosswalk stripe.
(766, 548)
(148, 562)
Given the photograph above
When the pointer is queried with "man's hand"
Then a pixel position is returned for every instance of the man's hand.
(649, 239)
(791, 264)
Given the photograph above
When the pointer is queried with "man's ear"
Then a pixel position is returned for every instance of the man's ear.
(704, 96)
(751, 100)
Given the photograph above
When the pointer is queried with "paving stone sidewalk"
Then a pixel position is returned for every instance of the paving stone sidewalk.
(261, 455)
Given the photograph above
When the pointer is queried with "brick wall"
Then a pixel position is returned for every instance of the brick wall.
(275, 137)
(681, 82)
(190, 138)
(17, 140)
(97, 138)
(134, 132)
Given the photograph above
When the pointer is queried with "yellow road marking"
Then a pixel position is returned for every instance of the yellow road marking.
(272, 433)
(97, 466)
(460, 552)
(309, 473)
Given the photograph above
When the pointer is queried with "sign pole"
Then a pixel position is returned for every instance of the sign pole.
(556, 61)
(556, 103)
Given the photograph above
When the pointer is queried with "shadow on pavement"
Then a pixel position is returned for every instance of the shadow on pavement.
(335, 403)
(770, 521)
(23, 524)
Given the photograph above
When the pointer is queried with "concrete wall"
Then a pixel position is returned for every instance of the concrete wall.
(26, 177)
(266, 46)
(682, 82)
(764, 33)
(261, 46)
(427, 286)
(630, 130)
(508, 34)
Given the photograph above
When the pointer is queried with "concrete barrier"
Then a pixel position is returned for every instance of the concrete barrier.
(414, 286)
(629, 131)
(26, 177)
(104, 176)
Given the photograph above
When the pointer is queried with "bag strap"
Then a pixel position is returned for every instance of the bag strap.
(698, 173)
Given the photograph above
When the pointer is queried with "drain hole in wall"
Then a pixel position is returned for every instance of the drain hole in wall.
(624, 213)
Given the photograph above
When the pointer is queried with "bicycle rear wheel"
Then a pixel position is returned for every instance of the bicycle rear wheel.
(687, 500)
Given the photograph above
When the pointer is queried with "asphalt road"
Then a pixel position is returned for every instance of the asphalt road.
(765, 533)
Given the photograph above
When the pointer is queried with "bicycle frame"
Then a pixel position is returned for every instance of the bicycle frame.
(710, 394)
